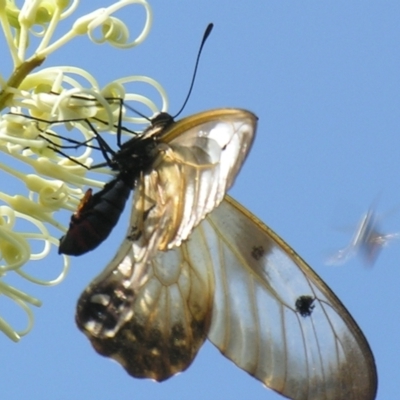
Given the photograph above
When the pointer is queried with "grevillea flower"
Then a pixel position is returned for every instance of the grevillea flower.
(43, 113)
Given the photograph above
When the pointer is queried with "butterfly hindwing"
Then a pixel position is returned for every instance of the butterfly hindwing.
(152, 321)
(276, 319)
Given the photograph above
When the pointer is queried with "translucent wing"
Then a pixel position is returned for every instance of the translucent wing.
(194, 165)
(276, 319)
(151, 320)
(238, 283)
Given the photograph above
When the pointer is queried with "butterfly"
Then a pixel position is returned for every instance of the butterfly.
(196, 265)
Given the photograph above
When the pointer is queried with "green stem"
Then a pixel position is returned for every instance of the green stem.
(17, 77)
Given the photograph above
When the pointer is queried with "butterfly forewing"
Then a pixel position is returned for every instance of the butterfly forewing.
(195, 163)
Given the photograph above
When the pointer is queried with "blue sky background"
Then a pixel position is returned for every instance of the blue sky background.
(324, 80)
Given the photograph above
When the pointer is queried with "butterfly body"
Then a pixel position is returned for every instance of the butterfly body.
(96, 217)
(98, 214)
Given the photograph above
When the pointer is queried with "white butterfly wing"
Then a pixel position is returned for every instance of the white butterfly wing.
(263, 322)
(237, 282)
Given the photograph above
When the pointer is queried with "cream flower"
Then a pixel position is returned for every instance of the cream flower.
(44, 113)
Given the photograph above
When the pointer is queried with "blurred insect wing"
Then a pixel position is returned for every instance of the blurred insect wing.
(368, 241)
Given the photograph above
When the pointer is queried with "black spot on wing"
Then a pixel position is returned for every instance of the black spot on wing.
(257, 252)
(304, 305)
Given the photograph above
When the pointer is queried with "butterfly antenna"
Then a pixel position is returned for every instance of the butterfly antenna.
(203, 41)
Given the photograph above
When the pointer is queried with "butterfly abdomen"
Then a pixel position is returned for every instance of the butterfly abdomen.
(95, 218)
